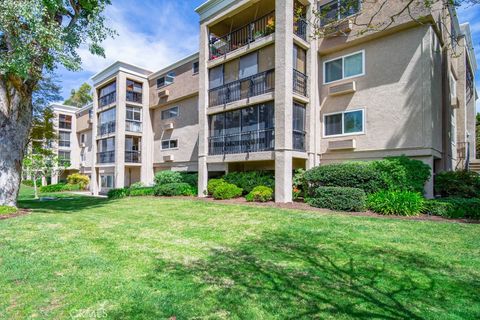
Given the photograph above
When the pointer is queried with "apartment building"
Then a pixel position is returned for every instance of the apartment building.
(263, 93)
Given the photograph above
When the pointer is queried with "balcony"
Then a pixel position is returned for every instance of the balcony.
(107, 99)
(106, 157)
(133, 157)
(106, 128)
(253, 141)
(65, 125)
(133, 126)
(300, 83)
(300, 28)
(134, 97)
(299, 140)
(260, 28)
(255, 85)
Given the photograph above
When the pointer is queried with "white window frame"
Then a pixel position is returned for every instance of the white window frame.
(170, 75)
(193, 67)
(106, 176)
(343, 123)
(178, 113)
(169, 143)
(343, 67)
(360, 4)
(133, 110)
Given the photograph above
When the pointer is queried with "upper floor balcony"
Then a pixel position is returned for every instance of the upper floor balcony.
(107, 99)
(106, 157)
(106, 128)
(134, 91)
(300, 83)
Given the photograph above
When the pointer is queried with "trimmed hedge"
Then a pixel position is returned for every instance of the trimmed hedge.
(118, 193)
(460, 208)
(213, 184)
(250, 179)
(167, 176)
(60, 187)
(227, 191)
(142, 192)
(338, 198)
(260, 194)
(461, 184)
(175, 189)
(402, 203)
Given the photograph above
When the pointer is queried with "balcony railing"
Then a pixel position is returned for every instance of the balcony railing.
(242, 89)
(133, 126)
(106, 128)
(134, 97)
(300, 83)
(242, 36)
(64, 144)
(106, 157)
(65, 125)
(300, 28)
(299, 140)
(133, 157)
(253, 141)
(107, 99)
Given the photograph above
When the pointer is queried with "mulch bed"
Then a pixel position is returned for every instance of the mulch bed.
(19, 213)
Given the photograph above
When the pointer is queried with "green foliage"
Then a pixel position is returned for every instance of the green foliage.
(260, 194)
(29, 183)
(60, 187)
(213, 185)
(462, 208)
(478, 135)
(338, 198)
(79, 179)
(299, 184)
(137, 185)
(167, 176)
(402, 203)
(175, 189)
(190, 178)
(250, 179)
(80, 97)
(227, 191)
(5, 210)
(437, 208)
(142, 192)
(118, 193)
(461, 184)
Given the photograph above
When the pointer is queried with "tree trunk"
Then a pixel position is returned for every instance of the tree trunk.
(35, 188)
(15, 121)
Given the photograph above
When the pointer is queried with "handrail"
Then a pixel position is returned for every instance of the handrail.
(244, 142)
(300, 83)
(107, 99)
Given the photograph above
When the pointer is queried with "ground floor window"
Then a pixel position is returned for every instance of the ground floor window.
(107, 181)
(344, 123)
(169, 144)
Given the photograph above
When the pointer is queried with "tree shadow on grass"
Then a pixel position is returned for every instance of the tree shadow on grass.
(64, 203)
(286, 277)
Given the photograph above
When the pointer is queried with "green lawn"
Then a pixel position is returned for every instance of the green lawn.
(147, 258)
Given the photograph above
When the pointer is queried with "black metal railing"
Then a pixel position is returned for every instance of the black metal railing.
(133, 126)
(107, 99)
(299, 140)
(242, 36)
(300, 28)
(106, 128)
(65, 125)
(253, 141)
(134, 97)
(300, 83)
(133, 157)
(242, 89)
(106, 157)
(64, 143)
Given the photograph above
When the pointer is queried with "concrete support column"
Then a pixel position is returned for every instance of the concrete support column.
(44, 181)
(146, 171)
(283, 100)
(93, 176)
(202, 112)
(429, 187)
(54, 178)
(120, 131)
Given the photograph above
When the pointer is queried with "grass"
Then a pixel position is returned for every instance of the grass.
(4, 210)
(147, 258)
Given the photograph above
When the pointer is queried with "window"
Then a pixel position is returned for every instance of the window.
(106, 145)
(344, 123)
(90, 114)
(338, 10)
(299, 59)
(345, 67)
(248, 65)
(216, 77)
(298, 118)
(82, 138)
(108, 89)
(166, 80)
(196, 67)
(65, 122)
(453, 127)
(170, 113)
(83, 156)
(134, 114)
(134, 91)
(453, 86)
(64, 158)
(64, 139)
(169, 144)
(107, 181)
(107, 94)
(107, 116)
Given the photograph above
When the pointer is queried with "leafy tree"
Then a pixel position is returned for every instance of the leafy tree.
(80, 97)
(36, 36)
(478, 135)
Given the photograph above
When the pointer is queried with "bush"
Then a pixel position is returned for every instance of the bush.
(29, 183)
(79, 179)
(260, 194)
(190, 178)
(167, 176)
(461, 184)
(250, 179)
(118, 193)
(462, 208)
(299, 184)
(227, 191)
(4, 210)
(437, 208)
(142, 192)
(213, 185)
(137, 185)
(338, 198)
(402, 203)
(175, 189)
(361, 175)
(60, 187)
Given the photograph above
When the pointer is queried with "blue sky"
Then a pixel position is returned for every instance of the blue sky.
(156, 33)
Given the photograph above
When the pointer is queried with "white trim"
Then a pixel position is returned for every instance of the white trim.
(343, 67)
(324, 127)
(179, 63)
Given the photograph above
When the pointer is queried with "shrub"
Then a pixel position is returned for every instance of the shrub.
(60, 187)
(361, 175)
(118, 193)
(461, 184)
(137, 185)
(190, 178)
(175, 189)
(338, 198)
(167, 176)
(227, 191)
(437, 208)
(299, 184)
(142, 192)
(213, 185)
(260, 194)
(402, 203)
(4, 210)
(462, 208)
(29, 183)
(250, 179)
(79, 179)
